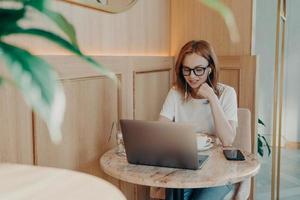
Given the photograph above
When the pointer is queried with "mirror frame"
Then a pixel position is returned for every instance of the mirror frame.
(93, 4)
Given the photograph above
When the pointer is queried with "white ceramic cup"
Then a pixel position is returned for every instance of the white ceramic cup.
(203, 140)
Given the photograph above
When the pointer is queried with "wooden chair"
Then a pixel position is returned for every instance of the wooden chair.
(243, 142)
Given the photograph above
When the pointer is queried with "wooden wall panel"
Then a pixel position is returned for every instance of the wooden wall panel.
(142, 30)
(93, 102)
(16, 142)
(15, 127)
(151, 89)
(231, 77)
(240, 73)
(152, 82)
(92, 106)
(190, 19)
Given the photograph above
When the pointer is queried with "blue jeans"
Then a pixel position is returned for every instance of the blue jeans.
(212, 193)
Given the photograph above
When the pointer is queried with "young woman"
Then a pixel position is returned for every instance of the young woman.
(198, 98)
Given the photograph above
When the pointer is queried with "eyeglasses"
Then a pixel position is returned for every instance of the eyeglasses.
(198, 71)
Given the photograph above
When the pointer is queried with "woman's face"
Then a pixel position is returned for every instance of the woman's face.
(199, 74)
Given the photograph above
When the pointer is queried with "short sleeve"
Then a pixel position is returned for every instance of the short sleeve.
(229, 104)
(168, 109)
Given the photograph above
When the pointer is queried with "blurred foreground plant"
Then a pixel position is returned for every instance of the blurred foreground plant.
(34, 77)
(261, 141)
(227, 15)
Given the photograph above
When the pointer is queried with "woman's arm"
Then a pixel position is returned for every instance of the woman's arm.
(225, 129)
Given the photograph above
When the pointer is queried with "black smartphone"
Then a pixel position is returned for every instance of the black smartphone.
(233, 154)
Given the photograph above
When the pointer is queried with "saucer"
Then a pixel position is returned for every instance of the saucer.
(206, 147)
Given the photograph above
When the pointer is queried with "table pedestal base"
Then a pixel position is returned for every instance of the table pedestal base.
(174, 194)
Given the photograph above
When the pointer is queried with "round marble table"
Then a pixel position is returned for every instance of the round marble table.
(20, 182)
(216, 171)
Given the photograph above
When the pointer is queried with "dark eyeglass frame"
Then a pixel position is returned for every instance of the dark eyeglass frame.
(194, 71)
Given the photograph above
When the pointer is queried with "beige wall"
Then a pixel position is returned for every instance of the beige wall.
(142, 30)
(151, 27)
(191, 19)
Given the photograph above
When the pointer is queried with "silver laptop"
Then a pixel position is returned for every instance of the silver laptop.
(164, 144)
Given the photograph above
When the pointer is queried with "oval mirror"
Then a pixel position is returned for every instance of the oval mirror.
(110, 6)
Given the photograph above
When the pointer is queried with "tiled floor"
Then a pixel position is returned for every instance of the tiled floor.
(289, 179)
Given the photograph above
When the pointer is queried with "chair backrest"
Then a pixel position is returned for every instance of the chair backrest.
(243, 131)
(242, 141)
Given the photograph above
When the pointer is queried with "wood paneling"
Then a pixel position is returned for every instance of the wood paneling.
(92, 106)
(142, 30)
(232, 78)
(156, 27)
(240, 73)
(151, 89)
(93, 102)
(151, 27)
(151, 86)
(15, 126)
(190, 20)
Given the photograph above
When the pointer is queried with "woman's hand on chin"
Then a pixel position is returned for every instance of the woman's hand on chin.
(206, 91)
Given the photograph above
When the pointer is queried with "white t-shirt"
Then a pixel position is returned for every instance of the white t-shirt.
(198, 111)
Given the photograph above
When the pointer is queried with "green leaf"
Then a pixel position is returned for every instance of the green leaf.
(37, 4)
(38, 84)
(1, 80)
(259, 142)
(34, 77)
(11, 15)
(9, 18)
(66, 45)
(261, 122)
(57, 18)
(63, 24)
(267, 144)
(260, 151)
(260, 146)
